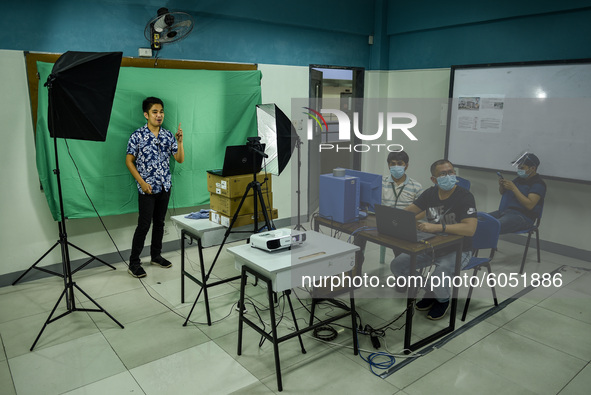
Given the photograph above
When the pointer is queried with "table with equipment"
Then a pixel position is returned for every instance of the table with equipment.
(365, 230)
(283, 270)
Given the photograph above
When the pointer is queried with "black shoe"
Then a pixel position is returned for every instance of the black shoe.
(438, 310)
(162, 262)
(136, 271)
(426, 303)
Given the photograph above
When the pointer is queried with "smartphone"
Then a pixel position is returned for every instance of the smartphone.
(500, 175)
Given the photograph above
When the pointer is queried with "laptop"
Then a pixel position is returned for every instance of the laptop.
(399, 223)
(238, 161)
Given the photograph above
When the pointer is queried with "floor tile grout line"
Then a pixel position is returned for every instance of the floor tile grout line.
(7, 363)
(489, 313)
(574, 377)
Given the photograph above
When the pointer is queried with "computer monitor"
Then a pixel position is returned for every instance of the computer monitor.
(371, 189)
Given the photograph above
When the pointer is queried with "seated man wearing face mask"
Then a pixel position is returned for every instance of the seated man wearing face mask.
(398, 189)
(450, 209)
(525, 196)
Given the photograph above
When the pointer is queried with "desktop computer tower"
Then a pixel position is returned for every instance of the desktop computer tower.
(339, 198)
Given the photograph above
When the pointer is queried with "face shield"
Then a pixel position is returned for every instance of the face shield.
(522, 157)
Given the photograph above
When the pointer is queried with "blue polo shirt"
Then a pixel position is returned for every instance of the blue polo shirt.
(526, 186)
(152, 157)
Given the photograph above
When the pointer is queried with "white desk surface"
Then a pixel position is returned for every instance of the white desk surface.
(319, 255)
(209, 232)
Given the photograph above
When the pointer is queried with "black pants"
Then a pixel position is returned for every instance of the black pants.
(152, 208)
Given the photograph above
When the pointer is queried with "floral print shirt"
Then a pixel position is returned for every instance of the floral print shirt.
(152, 157)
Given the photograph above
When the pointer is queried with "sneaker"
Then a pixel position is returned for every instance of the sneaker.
(426, 303)
(136, 271)
(162, 262)
(438, 310)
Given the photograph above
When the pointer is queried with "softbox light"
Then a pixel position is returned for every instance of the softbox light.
(279, 135)
(81, 92)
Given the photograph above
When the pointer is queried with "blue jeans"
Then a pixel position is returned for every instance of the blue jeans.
(444, 267)
(512, 220)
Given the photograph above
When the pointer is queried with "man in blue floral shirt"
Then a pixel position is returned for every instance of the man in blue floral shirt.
(148, 154)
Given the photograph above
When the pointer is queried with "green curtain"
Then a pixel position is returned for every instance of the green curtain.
(215, 108)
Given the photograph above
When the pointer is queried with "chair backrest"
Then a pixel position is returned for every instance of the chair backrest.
(537, 222)
(463, 182)
(487, 232)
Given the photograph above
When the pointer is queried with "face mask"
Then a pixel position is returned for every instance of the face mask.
(447, 183)
(521, 173)
(397, 172)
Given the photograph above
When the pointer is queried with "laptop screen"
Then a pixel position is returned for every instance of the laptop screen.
(240, 160)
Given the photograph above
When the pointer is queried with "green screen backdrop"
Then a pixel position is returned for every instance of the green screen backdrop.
(215, 108)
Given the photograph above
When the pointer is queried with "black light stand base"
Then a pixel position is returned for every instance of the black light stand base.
(70, 309)
(62, 275)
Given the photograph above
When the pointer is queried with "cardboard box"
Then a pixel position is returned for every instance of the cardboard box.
(241, 220)
(229, 206)
(235, 186)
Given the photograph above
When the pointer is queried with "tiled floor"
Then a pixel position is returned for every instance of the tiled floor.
(538, 344)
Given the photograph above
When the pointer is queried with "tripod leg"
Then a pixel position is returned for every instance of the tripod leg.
(35, 264)
(49, 318)
(97, 305)
(93, 257)
(193, 307)
(265, 213)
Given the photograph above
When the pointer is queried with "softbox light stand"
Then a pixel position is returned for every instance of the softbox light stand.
(299, 144)
(280, 138)
(81, 89)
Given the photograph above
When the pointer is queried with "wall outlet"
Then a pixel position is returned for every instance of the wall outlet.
(145, 52)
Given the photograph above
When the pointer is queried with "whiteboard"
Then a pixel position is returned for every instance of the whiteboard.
(496, 112)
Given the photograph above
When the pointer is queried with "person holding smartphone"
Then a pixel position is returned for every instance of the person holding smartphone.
(525, 196)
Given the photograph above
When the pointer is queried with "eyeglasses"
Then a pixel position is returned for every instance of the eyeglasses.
(446, 173)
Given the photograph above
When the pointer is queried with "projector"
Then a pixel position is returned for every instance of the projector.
(277, 239)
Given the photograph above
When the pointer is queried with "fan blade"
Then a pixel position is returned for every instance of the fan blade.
(186, 23)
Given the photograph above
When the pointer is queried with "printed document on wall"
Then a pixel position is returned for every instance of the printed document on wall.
(480, 113)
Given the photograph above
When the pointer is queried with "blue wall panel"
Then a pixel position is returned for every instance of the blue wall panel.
(262, 31)
(407, 34)
(564, 35)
